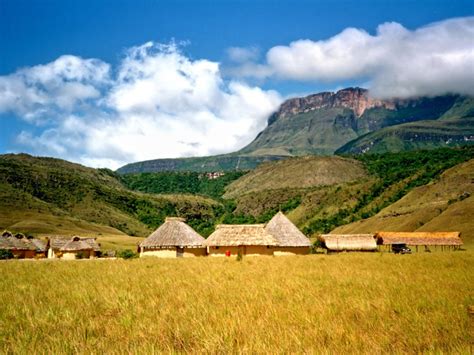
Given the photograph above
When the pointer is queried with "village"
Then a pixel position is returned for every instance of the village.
(279, 237)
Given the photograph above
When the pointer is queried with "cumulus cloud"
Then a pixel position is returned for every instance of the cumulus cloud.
(158, 104)
(397, 62)
(36, 92)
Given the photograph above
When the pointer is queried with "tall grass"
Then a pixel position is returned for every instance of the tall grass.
(357, 303)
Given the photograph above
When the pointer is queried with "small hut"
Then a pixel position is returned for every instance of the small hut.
(174, 238)
(246, 239)
(349, 242)
(21, 246)
(290, 239)
(73, 248)
(441, 240)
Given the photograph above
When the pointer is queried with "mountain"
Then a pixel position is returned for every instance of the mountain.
(323, 123)
(348, 121)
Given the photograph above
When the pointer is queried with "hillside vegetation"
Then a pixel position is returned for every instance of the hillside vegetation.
(445, 203)
(347, 303)
(52, 196)
(413, 136)
(180, 182)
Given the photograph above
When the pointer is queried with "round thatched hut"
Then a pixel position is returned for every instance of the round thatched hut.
(289, 238)
(174, 238)
(72, 248)
(246, 239)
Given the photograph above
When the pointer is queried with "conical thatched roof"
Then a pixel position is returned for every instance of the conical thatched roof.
(286, 233)
(339, 242)
(419, 238)
(240, 234)
(173, 233)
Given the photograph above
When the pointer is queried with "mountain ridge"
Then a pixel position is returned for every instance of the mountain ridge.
(329, 123)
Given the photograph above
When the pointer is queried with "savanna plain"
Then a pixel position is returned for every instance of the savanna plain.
(342, 303)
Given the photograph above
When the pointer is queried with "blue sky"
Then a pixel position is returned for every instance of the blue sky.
(36, 33)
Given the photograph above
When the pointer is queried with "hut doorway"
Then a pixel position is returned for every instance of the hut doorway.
(179, 252)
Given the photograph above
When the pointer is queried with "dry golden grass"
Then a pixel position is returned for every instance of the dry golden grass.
(356, 303)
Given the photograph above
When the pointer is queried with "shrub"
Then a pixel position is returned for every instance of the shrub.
(127, 254)
(5, 254)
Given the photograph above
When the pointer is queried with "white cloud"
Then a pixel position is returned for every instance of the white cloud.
(36, 92)
(431, 60)
(160, 104)
(243, 54)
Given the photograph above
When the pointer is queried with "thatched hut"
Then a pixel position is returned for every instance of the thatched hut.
(21, 246)
(349, 242)
(73, 248)
(441, 240)
(246, 239)
(174, 238)
(289, 238)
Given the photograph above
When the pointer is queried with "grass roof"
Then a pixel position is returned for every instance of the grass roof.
(173, 233)
(349, 242)
(8, 241)
(240, 234)
(419, 238)
(285, 232)
(73, 244)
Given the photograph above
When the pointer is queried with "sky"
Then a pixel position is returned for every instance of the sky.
(105, 83)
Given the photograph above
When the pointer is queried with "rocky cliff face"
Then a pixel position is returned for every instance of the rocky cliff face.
(356, 99)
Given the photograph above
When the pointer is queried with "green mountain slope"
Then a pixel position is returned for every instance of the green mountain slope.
(442, 205)
(412, 136)
(45, 195)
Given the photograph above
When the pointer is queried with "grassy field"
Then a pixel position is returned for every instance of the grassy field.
(356, 303)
